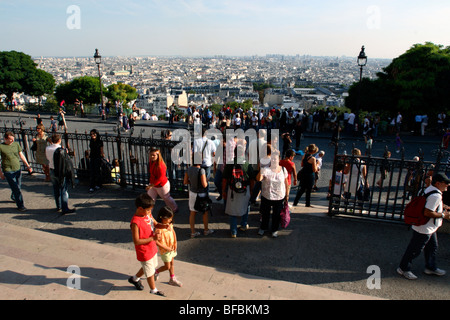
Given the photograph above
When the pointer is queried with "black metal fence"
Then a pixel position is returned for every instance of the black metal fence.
(132, 154)
(380, 188)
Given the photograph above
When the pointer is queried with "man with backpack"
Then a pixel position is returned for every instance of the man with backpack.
(425, 235)
(237, 182)
(61, 173)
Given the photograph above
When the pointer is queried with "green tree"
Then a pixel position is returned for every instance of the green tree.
(121, 92)
(414, 83)
(83, 88)
(39, 83)
(18, 73)
(260, 88)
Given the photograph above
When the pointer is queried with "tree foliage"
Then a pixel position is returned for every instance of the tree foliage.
(18, 73)
(121, 92)
(83, 88)
(417, 82)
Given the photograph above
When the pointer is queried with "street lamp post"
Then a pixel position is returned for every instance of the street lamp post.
(98, 61)
(362, 61)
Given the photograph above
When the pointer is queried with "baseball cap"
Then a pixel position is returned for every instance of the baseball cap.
(440, 177)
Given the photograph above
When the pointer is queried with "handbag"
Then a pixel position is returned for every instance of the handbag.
(285, 215)
(202, 203)
(363, 193)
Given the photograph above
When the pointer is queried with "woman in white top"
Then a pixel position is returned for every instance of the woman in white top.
(273, 194)
(357, 174)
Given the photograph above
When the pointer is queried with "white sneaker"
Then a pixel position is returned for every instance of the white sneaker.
(275, 234)
(437, 272)
(407, 274)
(174, 282)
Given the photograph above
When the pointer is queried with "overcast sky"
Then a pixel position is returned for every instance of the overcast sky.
(233, 27)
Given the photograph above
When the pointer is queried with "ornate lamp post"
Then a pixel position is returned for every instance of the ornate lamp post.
(362, 61)
(98, 61)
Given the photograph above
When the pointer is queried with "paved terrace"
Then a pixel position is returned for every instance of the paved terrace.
(316, 257)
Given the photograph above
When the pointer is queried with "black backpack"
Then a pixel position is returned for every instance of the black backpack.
(63, 166)
(239, 180)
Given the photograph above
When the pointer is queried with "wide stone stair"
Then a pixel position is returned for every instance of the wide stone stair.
(37, 265)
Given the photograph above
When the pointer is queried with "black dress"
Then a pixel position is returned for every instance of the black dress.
(306, 177)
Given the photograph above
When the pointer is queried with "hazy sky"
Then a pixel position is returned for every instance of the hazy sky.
(233, 27)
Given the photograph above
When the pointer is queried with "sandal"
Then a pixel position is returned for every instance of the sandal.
(158, 293)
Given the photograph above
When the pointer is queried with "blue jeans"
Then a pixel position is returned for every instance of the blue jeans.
(427, 243)
(218, 181)
(208, 175)
(14, 179)
(256, 190)
(60, 192)
(233, 221)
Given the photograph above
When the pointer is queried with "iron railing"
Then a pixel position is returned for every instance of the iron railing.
(131, 152)
(391, 183)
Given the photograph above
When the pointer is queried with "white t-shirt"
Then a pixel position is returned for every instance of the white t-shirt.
(207, 153)
(318, 161)
(196, 117)
(49, 151)
(340, 179)
(273, 184)
(434, 203)
(351, 118)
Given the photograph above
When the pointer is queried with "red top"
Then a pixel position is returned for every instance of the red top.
(158, 176)
(289, 165)
(145, 252)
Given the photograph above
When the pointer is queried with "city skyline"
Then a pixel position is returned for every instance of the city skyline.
(230, 28)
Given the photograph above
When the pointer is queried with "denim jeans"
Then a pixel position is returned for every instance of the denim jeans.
(256, 190)
(208, 175)
(427, 243)
(60, 192)
(14, 179)
(233, 221)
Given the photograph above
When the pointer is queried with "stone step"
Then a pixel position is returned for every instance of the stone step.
(26, 280)
(36, 262)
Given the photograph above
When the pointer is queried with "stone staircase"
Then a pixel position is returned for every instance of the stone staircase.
(35, 265)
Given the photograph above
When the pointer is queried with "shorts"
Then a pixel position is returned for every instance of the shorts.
(150, 266)
(168, 256)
